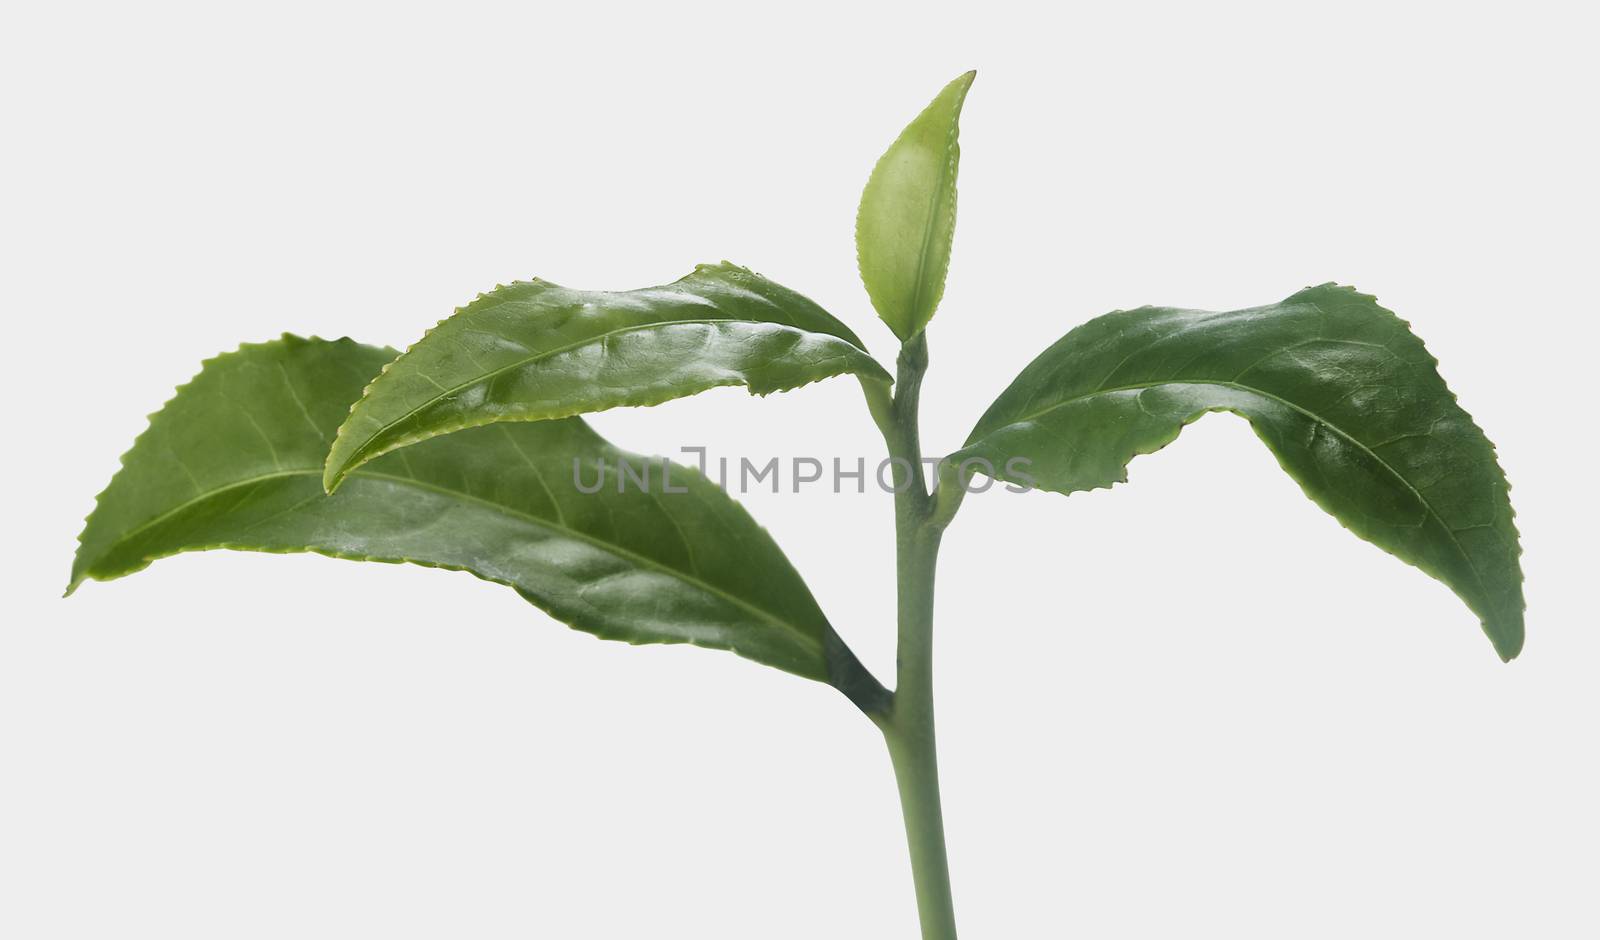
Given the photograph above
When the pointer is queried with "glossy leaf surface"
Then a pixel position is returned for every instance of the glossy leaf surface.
(1340, 390)
(907, 218)
(235, 460)
(534, 350)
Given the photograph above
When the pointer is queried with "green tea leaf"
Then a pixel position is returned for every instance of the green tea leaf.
(235, 460)
(533, 351)
(907, 218)
(1336, 386)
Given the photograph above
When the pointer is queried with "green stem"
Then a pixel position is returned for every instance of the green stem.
(909, 733)
(908, 726)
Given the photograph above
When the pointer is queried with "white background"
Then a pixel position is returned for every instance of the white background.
(1189, 707)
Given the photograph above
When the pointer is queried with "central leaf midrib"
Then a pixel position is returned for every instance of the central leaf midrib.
(607, 546)
(618, 550)
(1449, 533)
(589, 340)
(928, 230)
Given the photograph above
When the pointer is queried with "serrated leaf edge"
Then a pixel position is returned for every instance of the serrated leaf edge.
(122, 461)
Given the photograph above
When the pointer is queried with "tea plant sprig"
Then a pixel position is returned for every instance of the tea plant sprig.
(466, 451)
